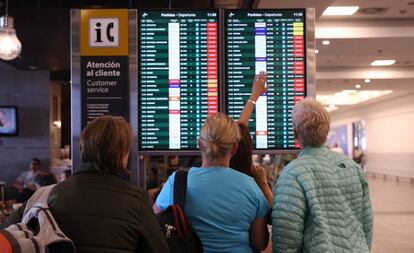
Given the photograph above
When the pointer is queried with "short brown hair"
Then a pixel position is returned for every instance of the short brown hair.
(104, 142)
(242, 159)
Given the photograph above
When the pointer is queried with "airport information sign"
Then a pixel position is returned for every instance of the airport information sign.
(178, 77)
(272, 41)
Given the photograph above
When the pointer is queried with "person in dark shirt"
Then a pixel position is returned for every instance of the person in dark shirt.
(42, 178)
(96, 207)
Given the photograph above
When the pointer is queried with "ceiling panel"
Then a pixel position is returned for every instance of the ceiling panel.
(43, 27)
(319, 5)
(361, 52)
(337, 85)
(377, 9)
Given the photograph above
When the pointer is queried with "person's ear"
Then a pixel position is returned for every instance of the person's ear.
(199, 143)
(234, 147)
(125, 160)
(295, 133)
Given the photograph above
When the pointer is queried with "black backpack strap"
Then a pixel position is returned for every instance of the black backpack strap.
(180, 187)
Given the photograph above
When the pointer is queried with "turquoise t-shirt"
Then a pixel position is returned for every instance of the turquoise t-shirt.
(221, 204)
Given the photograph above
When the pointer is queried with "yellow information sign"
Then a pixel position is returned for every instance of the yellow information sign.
(104, 32)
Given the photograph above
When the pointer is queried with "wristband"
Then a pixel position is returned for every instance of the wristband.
(251, 101)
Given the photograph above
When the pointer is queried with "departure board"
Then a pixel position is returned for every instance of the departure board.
(272, 41)
(178, 77)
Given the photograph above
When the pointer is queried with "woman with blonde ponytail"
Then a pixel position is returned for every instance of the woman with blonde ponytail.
(226, 207)
(217, 138)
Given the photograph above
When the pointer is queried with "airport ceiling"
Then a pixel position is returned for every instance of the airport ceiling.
(381, 29)
(43, 27)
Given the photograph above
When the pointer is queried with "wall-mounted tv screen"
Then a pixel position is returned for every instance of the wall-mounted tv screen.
(272, 41)
(178, 82)
(8, 121)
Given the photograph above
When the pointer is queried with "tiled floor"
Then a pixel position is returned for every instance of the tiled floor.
(393, 205)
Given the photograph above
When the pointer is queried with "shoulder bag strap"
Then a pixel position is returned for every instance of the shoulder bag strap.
(38, 199)
(180, 187)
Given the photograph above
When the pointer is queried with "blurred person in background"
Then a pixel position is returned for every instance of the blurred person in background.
(336, 148)
(26, 180)
(42, 178)
(65, 175)
(225, 207)
(321, 201)
(358, 155)
(360, 158)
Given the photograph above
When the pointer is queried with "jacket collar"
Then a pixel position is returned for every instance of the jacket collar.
(91, 168)
(85, 167)
(314, 151)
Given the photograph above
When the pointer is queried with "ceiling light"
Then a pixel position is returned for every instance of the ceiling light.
(367, 80)
(340, 10)
(326, 42)
(316, 51)
(358, 86)
(382, 62)
(10, 46)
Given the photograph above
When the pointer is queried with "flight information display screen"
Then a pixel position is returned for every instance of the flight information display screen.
(272, 41)
(178, 77)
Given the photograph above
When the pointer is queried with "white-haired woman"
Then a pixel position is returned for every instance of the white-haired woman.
(226, 207)
(321, 201)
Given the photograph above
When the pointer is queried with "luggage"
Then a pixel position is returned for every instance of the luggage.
(38, 231)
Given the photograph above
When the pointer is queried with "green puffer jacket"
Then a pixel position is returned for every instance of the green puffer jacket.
(321, 204)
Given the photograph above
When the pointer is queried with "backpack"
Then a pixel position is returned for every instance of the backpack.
(38, 231)
(177, 231)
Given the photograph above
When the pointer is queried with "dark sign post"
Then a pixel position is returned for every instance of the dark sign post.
(104, 73)
(104, 87)
(104, 69)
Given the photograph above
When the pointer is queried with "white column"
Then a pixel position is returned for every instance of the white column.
(174, 85)
(261, 104)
